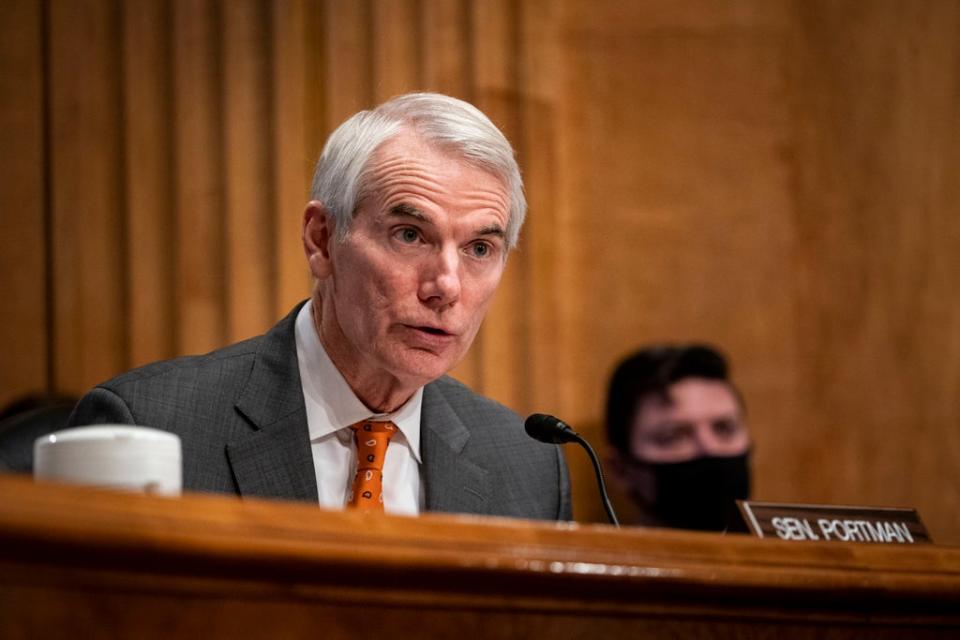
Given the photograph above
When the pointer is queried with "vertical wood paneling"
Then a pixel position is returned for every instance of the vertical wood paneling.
(494, 63)
(540, 80)
(347, 60)
(551, 296)
(446, 36)
(501, 352)
(933, 461)
(395, 48)
(23, 255)
(199, 204)
(293, 155)
(315, 86)
(87, 221)
(248, 176)
(149, 180)
(677, 219)
(877, 136)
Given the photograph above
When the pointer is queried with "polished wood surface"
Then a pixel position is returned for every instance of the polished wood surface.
(102, 564)
(774, 176)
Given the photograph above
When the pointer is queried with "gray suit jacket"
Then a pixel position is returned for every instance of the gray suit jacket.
(240, 415)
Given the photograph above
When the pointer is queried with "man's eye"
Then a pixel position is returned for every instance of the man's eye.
(408, 235)
(481, 249)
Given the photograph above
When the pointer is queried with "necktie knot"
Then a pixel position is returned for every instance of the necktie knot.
(372, 438)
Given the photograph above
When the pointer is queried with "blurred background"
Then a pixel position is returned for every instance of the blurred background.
(778, 177)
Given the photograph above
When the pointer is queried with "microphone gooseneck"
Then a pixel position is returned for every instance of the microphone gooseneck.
(553, 430)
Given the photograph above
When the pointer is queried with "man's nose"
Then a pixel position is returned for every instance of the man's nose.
(440, 284)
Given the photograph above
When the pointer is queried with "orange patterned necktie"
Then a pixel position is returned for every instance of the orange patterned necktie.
(372, 439)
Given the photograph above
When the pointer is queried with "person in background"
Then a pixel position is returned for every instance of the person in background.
(678, 433)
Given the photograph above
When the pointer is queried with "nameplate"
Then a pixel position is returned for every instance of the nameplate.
(826, 523)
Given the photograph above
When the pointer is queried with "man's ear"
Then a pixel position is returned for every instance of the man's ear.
(318, 229)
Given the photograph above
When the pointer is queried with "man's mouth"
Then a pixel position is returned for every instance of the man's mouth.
(434, 330)
(431, 330)
(431, 334)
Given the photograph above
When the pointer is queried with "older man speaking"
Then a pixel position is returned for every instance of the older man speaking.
(345, 402)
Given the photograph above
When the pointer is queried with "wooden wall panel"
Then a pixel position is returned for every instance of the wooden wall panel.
(396, 52)
(294, 152)
(879, 223)
(446, 34)
(199, 207)
(544, 241)
(88, 229)
(248, 156)
(23, 252)
(500, 351)
(347, 83)
(769, 177)
(676, 198)
(148, 178)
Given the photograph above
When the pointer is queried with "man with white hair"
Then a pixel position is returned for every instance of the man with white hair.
(415, 206)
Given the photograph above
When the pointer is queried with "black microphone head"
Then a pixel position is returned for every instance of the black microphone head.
(549, 429)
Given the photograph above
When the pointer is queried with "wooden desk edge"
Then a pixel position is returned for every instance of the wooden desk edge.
(486, 561)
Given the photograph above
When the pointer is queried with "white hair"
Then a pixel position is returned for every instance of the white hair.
(339, 180)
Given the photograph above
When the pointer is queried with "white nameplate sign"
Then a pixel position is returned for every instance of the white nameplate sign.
(827, 523)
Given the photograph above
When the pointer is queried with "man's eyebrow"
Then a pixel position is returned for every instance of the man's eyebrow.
(404, 210)
(493, 230)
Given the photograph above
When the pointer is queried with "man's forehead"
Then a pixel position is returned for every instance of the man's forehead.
(410, 149)
(396, 172)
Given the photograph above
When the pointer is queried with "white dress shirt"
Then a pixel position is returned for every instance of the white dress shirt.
(331, 408)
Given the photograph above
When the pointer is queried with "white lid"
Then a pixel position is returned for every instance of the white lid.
(104, 432)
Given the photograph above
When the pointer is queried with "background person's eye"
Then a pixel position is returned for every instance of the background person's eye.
(726, 428)
(670, 437)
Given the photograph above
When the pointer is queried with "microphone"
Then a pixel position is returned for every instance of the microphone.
(553, 430)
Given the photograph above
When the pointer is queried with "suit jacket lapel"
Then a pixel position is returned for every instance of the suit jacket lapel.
(273, 459)
(452, 482)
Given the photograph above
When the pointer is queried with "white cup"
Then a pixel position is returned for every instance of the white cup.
(111, 455)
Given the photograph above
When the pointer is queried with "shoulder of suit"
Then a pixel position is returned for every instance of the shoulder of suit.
(467, 403)
(238, 355)
(461, 393)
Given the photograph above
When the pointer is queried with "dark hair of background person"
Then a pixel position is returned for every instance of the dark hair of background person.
(651, 371)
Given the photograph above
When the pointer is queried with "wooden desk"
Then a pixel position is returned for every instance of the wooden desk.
(85, 563)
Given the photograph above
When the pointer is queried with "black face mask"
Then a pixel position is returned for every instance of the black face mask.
(699, 494)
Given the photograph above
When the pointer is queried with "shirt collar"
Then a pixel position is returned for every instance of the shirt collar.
(330, 402)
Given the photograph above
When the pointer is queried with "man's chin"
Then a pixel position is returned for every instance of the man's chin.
(420, 368)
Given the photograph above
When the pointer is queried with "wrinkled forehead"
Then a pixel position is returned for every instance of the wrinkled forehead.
(408, 148)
